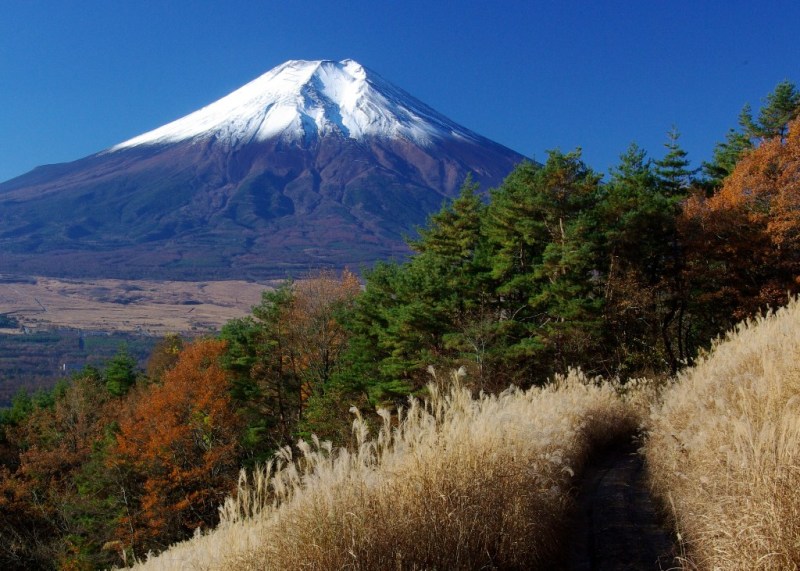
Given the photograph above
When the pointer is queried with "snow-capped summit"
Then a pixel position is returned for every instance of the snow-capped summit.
(302, 100)
(313, 164)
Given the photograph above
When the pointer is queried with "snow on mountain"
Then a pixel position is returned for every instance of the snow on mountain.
(314, 164)
(303, 100)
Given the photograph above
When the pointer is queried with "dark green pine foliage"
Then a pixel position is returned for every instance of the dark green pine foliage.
(639, 234)
(724, 158)
(780, 106)
(454, 232)
(396, 327)
(455, 247)
(672, 171)
(674, 180)
(387, 328)
(120, 373)
(265, 384)
(543, 258)
(516, 228)
(452, 247)
(637, 218)
(241, 355)
(427, 311)
(22, 406)
(517, 235)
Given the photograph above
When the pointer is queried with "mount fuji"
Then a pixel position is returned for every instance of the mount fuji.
(313, 164)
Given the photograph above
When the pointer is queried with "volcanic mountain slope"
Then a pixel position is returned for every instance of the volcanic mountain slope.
(315, 163)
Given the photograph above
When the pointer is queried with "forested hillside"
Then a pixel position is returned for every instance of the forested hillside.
(626, 276)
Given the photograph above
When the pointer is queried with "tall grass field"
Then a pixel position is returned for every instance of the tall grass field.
(724, 449)
(453, 482)
(459, 481)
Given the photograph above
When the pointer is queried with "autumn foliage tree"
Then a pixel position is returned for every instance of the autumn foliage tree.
(163, 356)
(285, 353)
(179, 446)
(316, 338)
(56, 480)
(744, 240)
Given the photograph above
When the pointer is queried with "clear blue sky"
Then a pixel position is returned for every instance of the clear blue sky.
(79, 76)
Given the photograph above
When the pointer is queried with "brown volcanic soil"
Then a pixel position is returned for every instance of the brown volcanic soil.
(206, 210)
(144, 306)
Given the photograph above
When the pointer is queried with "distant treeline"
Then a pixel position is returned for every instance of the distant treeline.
(15, 279)
(36, 360)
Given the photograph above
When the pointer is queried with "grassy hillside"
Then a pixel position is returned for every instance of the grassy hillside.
(466, 483)
(455, 482)
(724, 449)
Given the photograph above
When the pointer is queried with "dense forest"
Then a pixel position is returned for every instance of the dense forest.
(628, 275)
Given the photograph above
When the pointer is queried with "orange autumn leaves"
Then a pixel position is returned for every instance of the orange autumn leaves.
(315, 337)
(180, 441)
(746, 237)
(144, 468)
(766, 185)
(182, 438)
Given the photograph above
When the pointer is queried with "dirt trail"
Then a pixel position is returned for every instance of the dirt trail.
(616, 525)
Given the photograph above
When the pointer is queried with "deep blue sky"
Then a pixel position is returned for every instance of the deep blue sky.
(79, 76)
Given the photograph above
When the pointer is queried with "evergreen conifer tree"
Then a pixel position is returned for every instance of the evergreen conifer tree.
(637, 221)
(120, 373)
(725, 157)
(672, 171)
(540, 234)
(454, 232)
(780, 106)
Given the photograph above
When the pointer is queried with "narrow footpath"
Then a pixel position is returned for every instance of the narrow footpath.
(616, 525)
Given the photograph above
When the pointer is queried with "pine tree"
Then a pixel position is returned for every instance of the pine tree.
(725, 157)
(453, 233)
(634, 213)
(672, 171)
(120, 373)
(637, 221)
(634, 169)
(780, 107)
(265, 380)
(453, 247)
(531, 209)
(540, 237)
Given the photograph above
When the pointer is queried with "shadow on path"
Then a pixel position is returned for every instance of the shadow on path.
(616, 525)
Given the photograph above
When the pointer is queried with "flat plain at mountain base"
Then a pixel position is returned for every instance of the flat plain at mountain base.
(143, 306)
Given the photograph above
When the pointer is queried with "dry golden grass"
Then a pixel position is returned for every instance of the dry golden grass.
(724, 449)
(146, 306)
(455, 482)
